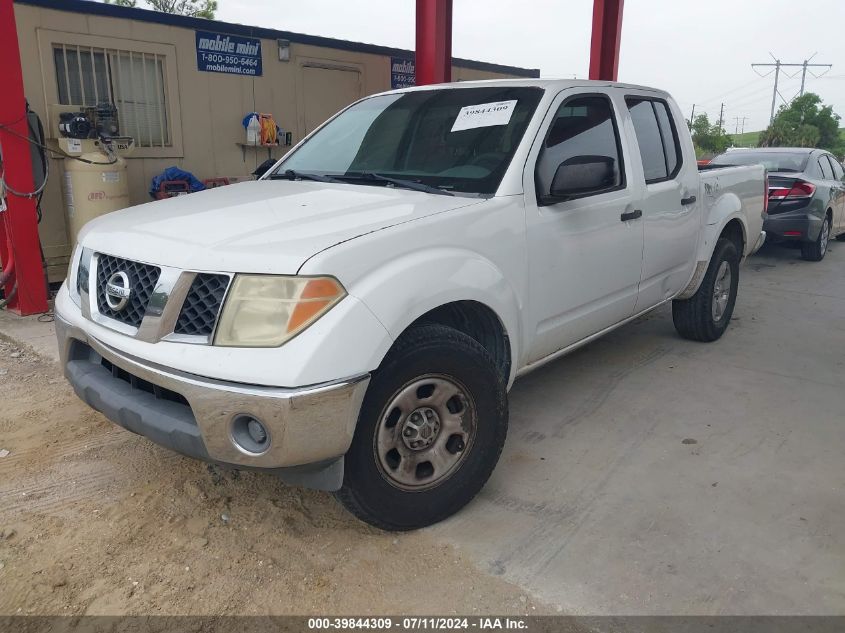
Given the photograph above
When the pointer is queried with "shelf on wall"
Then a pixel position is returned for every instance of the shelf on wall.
(269, 148)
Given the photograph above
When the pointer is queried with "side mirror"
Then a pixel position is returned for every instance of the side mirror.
(581, 175)
(263, 168)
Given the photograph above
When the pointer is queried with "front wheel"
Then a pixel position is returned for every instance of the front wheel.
(705, 315)
(430, 432)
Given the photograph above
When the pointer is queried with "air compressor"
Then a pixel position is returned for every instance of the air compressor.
(95, 174)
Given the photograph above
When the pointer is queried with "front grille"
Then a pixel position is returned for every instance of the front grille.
(142, 385)
(142, 281)
(202, 305)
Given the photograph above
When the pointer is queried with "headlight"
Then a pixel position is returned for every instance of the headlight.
(268, 310)
(79, 272)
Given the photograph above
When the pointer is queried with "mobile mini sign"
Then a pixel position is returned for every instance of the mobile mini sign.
(230, 54)
(402, 72)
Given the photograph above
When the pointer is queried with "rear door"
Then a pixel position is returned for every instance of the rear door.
(837, 184)
(671, 209)
(585, 250)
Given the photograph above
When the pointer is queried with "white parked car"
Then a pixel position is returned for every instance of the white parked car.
(353, 320)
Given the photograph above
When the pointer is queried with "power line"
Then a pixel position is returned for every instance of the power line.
(778, 65)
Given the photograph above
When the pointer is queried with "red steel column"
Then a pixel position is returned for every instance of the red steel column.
(607, 34)
(434, 41)
(20, 226)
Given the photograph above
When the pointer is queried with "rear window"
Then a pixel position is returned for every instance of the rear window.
(773, 161)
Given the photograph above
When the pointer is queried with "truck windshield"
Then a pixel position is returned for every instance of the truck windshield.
(772, 161)
(455, 140)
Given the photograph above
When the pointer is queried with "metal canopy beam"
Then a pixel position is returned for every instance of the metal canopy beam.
(607, 35)
(20, 248)
(434, 41)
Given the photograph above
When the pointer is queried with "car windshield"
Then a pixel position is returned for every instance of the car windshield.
(455, 140)
(772, 161)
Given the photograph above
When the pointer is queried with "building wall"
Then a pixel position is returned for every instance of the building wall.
(205, 109)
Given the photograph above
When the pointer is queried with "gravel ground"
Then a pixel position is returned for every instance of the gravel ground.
(95, 520)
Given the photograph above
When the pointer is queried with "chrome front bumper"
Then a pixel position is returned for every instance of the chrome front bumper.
(311, 425)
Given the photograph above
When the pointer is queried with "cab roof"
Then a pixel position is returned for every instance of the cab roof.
(548, 84)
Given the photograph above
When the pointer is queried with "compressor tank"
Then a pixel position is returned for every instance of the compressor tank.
(93, 188)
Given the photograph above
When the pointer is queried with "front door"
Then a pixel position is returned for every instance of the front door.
(584, 251)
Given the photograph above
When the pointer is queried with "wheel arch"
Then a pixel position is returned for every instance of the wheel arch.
(734, 230)
(732, 227)
(454, 287)
(479, 322)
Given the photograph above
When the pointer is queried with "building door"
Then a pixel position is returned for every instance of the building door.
(326, 91)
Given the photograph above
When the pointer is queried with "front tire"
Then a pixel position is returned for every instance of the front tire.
(705, 316)
(431, 429)
(815, 251)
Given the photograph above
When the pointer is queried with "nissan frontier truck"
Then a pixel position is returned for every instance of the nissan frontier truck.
(352, 321)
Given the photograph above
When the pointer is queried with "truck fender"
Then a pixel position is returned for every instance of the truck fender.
(408, 287)
(726, 208)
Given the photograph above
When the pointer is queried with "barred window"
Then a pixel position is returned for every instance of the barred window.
(133, 82)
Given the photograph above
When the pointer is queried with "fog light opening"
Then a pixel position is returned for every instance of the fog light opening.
(250, 435)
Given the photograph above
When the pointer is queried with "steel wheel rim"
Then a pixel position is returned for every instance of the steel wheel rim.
(721, 291)
(825, 236)
(425, 432)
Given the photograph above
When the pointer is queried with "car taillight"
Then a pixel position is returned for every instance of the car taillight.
(765, 197)
(799, 189)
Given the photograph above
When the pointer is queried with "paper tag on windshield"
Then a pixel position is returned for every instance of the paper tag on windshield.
(484, 115)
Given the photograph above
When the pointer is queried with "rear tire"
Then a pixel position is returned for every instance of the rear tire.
(705, 316)
(815, 251)
(431, 429)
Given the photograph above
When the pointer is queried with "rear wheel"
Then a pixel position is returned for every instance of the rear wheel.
(815, 251)
(705, 315)
(430, 432)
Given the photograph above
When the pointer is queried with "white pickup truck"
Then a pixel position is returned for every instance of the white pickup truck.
(353, 320)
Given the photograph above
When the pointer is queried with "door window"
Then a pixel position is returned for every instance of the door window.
(656, 137)
(583, 126)
(827, 171)
(838, 172)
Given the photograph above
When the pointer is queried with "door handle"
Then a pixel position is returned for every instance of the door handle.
(631, 215)
(690, 200)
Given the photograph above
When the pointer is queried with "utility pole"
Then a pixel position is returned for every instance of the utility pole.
(721, 116)
(775, 91)
(738, 119)
(692, 116)
(778, 65)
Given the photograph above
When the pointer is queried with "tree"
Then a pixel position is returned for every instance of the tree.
(191, 8)
(804, 123)
(709, 139)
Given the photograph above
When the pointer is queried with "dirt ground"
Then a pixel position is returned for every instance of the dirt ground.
(96, 520)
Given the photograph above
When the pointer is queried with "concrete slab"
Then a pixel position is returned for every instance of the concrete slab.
(645, 474)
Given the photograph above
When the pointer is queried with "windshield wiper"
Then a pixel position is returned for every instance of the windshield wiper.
(397, 182)
(291, 174)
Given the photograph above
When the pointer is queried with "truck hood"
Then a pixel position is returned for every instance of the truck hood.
(265, 226)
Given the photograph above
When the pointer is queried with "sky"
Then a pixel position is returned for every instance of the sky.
(700, 51)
